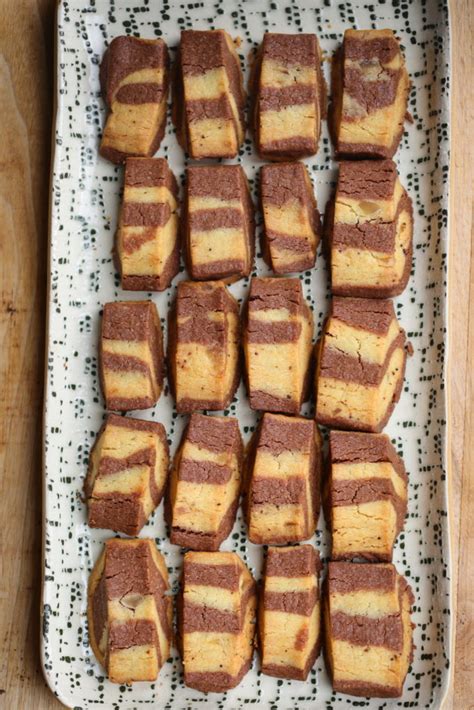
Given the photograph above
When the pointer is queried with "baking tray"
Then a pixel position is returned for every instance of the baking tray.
(85, 196)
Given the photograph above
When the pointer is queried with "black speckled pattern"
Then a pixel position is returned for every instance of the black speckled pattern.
(85, 200)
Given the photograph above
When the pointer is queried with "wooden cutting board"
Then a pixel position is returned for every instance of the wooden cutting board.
(26, 96)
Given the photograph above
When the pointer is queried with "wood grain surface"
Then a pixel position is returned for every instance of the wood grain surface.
(26, 85)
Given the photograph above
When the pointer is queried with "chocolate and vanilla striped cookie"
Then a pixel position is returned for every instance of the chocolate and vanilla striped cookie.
(134, 77)
(368, 628)
(130, 611)
(147, 239)
(216, 620)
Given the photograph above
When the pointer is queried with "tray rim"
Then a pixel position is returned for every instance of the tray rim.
(446, 380)
(54, 153)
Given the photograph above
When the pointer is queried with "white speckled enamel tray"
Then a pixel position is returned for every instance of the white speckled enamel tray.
(85, 200)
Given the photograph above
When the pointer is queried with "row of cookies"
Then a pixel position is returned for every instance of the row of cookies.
(217, 226)
(367, 488)
(368, 225)
(360, 357)
(288, 95)
(280, 478)
(366, 611)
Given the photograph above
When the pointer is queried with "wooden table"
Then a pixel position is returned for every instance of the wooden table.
(26, 81)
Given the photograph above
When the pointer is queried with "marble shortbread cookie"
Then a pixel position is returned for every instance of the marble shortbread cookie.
(134, 77)
(209, 98)
(361, 365)
(283, 477)
(290, 216)
(289, 612)
(370, 231)
(368, 629)
(131, 355)
(277, 345)
(129, 611)
(147, 244)
(366, 496)
(203, 344)
(290, 96)
(127, 473)
(219, 227)
(216, 620)
(205, 482)
(370, 94)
